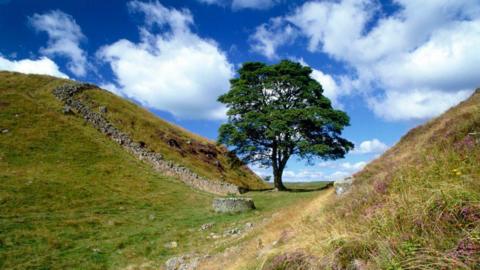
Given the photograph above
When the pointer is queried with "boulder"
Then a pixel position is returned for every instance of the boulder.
(183, 262)
(206, 226)
(233, 205)
(342, 186)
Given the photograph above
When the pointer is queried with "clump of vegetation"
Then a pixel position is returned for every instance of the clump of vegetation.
(297, 260)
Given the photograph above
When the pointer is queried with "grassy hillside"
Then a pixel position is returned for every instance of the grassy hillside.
(70, 198)
(415, 207)
(176, 144)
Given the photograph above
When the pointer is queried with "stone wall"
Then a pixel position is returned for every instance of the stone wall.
(66, 93)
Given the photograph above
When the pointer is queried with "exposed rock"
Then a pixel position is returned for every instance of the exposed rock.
(183, 262)
(172, 244)
(4, 131)
(66, 93)
(206, 226)
(233, 205)
(342, 186)
(233, 232)
(67, 110)
(248, 225)
(103, 109)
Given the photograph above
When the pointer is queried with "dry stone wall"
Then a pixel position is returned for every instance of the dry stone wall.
(66, 93)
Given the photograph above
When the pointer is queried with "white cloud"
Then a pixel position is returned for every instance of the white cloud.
(64, 37)
(373, 146)
(43, 66)
(268, 37)
(329, 171)
(425, 52)
(347, 166)
(212, 2)
(176, 70)
(242, 4)
(253, 4)
(353, 167)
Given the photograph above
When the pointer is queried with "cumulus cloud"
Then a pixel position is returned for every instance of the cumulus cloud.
(43, 65)
(338, 170)
(174, 70)
(242, 4)
(268, 37)
(427, 53)
(373, 146)
(418, 104)
(323, 171)
(64, 37)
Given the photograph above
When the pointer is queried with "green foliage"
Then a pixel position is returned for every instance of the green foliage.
(277, 111)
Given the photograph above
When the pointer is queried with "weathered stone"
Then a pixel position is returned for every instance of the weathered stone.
(206, 226)
(67, 109)
(4, 131)
(344, 185)
(183, 262)
(248, 225)
(233, 205)
(102, 109)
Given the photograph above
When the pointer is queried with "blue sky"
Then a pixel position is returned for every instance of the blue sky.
(391, 65)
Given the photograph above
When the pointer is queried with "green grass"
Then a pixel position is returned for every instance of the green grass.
(71, 198)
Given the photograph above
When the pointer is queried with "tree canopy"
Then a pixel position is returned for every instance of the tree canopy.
(278, 111)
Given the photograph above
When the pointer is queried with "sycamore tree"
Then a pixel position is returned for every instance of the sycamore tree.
(278, 111)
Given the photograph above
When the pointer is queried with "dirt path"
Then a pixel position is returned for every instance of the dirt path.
(286, 230)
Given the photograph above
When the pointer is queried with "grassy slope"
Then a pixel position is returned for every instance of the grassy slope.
(194, 152)
(415, 207)
(420, 201)
(71, 198)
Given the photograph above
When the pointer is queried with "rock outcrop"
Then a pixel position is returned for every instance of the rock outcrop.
(233, 205)
(67, 94)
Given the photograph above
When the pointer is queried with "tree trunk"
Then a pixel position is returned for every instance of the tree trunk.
(277, 180)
